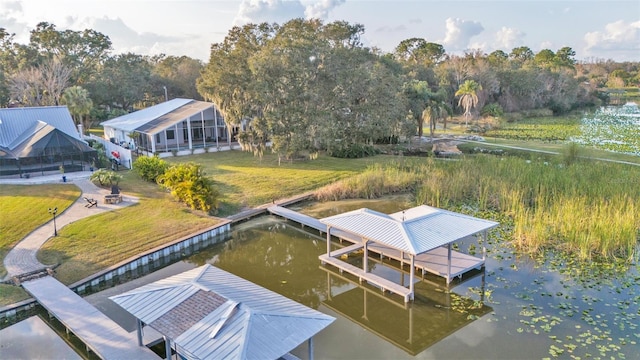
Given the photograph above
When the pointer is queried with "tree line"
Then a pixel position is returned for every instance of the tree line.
(78, 69)
(304, 85)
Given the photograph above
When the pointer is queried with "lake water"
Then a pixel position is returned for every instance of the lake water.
(516, 309)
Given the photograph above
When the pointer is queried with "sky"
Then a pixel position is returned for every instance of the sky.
(595, 30)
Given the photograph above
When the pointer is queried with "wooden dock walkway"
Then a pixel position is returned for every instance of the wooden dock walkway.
(99, 333)
(308, 221)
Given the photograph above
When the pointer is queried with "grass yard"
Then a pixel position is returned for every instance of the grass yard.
(246, 181)
(24, 208)
(93, 244)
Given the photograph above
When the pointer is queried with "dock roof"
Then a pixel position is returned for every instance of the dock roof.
(413, 231)
(212, 314)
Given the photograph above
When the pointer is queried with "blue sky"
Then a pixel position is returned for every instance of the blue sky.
(594, 29)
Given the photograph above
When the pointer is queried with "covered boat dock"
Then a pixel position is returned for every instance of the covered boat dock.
(421, 237)
(208, 313)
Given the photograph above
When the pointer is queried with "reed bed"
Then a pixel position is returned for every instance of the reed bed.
(586, 208)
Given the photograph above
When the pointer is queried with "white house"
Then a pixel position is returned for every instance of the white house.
(174, 125)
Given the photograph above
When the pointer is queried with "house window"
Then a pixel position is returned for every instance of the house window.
(157, 138)
(171, 135)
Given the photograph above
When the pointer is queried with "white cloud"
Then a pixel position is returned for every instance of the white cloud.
(617, 36)
(11, 19)
(281, 11)
(320, 9)
(509, 38)
(258, 11)
(125, 39)
(459, 33)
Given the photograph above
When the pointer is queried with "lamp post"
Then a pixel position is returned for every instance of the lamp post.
(53, 212)
(166, 96)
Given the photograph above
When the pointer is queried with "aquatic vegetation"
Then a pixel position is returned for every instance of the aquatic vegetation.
(612, 128)
(588, 209)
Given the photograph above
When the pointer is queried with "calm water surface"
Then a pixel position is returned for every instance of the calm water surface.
(515, 310)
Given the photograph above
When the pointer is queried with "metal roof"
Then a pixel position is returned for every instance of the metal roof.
(159, 117)
(17, 124)
(46, 139)
(235, 319)
(413, 231)
(180, 114)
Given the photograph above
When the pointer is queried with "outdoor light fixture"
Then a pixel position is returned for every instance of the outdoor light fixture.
(53, 212)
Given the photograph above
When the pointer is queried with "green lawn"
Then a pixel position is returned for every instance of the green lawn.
(93, 244)
(24, 208)
(247, 181)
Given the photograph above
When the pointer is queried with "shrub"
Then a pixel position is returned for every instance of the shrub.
(150, 167)
(353, 151)
(104, 177)
(187, 183)
(102, 159)
(492, 109)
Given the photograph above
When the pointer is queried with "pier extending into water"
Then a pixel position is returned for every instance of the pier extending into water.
(99, 333)
(441, 261)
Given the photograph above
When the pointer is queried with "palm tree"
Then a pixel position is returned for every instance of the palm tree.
(77, 100)
(436, 110)
(468, 97)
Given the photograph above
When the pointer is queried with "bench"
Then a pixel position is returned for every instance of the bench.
(90, 202)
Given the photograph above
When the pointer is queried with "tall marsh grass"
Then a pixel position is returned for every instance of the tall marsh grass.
(589, 209)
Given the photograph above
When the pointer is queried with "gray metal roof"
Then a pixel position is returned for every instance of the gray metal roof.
(180, 114)
(238, 319)
(159, 117)
(17, 124)
(413, 231)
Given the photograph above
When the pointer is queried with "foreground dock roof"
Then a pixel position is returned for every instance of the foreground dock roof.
(208, 313)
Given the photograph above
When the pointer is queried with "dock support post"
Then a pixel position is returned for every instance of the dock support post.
(448, 263)
(411, 274)
(139, 329)
(311, 348)
(167, 348)
(328, 241)
(484, 245)
(365, 258)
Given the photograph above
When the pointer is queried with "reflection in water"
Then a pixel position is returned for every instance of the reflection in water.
(412, 327)
(33, 339)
